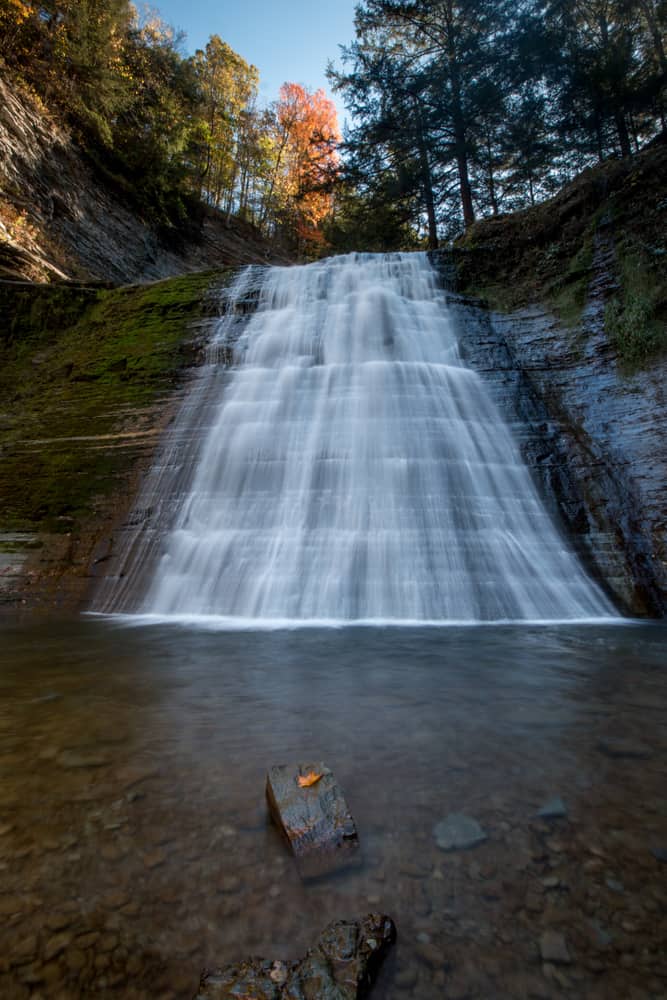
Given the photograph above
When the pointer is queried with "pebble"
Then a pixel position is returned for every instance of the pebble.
(458, 831)
(75, 959)
(5, 828)
(154, 859)
(553, 948)
(534, 902)
(107, 943)
(614, 885)
(229, 884)
(88, 940)
(430, 954)
(553, 809)
(115, 900)
(59, 921)
(24, 950)
(406, 978)
(55, 945)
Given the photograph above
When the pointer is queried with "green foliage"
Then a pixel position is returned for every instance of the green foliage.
(635, 317)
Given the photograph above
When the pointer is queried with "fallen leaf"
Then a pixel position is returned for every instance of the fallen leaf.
(306, 780)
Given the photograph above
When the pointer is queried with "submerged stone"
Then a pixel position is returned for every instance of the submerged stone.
(553, 948)
(343, 965)
(553, 809)
(457, 832)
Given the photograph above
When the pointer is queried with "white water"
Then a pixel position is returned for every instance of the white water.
(355, 469)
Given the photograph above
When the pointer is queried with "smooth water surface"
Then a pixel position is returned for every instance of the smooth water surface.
(134, 842)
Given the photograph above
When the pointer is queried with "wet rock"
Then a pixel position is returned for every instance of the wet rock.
(315, 820)
(553, 948)
(553, 809)
(660, 854)
(342, 966)
(457, 832)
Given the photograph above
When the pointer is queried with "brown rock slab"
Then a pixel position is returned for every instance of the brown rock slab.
(553, 948)
(315, 820)
(342, 965)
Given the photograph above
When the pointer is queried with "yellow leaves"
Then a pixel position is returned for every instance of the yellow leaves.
(306, 780)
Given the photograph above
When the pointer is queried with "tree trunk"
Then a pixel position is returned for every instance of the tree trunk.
(427, 182)
(460, 143)
(622, 130)
(492, 181)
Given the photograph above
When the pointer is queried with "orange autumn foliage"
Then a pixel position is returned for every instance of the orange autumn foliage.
(309, 137)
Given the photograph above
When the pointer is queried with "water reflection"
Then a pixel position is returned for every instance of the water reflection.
(134, 846)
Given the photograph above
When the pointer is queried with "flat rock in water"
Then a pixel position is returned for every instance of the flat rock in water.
(315, 819)
(343, 965)
(553, 809)
(457, 832)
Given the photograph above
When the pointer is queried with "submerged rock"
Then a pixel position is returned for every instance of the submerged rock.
(457, 832)
(553, 809)
(553, 948)
(342, 965)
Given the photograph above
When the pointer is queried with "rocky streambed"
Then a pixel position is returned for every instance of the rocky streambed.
(507, 784)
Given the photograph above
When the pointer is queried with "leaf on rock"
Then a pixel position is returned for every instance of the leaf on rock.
(306, 780)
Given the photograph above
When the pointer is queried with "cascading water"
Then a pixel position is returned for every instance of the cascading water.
(355, 469)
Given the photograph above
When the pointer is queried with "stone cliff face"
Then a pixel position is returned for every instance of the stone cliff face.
(593, 435)
(58, 219)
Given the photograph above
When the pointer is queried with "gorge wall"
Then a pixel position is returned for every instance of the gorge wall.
(60, 219)
(537, 297)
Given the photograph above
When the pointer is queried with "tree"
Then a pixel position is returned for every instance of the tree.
(228, 86)
(305, 160)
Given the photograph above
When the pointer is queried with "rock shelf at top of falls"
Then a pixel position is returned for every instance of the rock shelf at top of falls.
(349, 467)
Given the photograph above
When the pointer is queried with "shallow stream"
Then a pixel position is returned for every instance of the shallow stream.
(135, 847)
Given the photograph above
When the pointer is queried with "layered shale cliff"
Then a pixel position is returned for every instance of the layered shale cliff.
(564, 311)
(60, 218)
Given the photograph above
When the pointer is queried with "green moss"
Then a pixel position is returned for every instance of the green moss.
(78, 365)
(567, 295)
(635, 317)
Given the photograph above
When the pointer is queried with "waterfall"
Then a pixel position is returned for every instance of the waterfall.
(348, 466)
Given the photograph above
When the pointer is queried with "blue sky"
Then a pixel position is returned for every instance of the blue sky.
(285, 39)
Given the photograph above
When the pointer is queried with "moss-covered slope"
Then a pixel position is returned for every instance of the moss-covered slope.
(87, 379)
